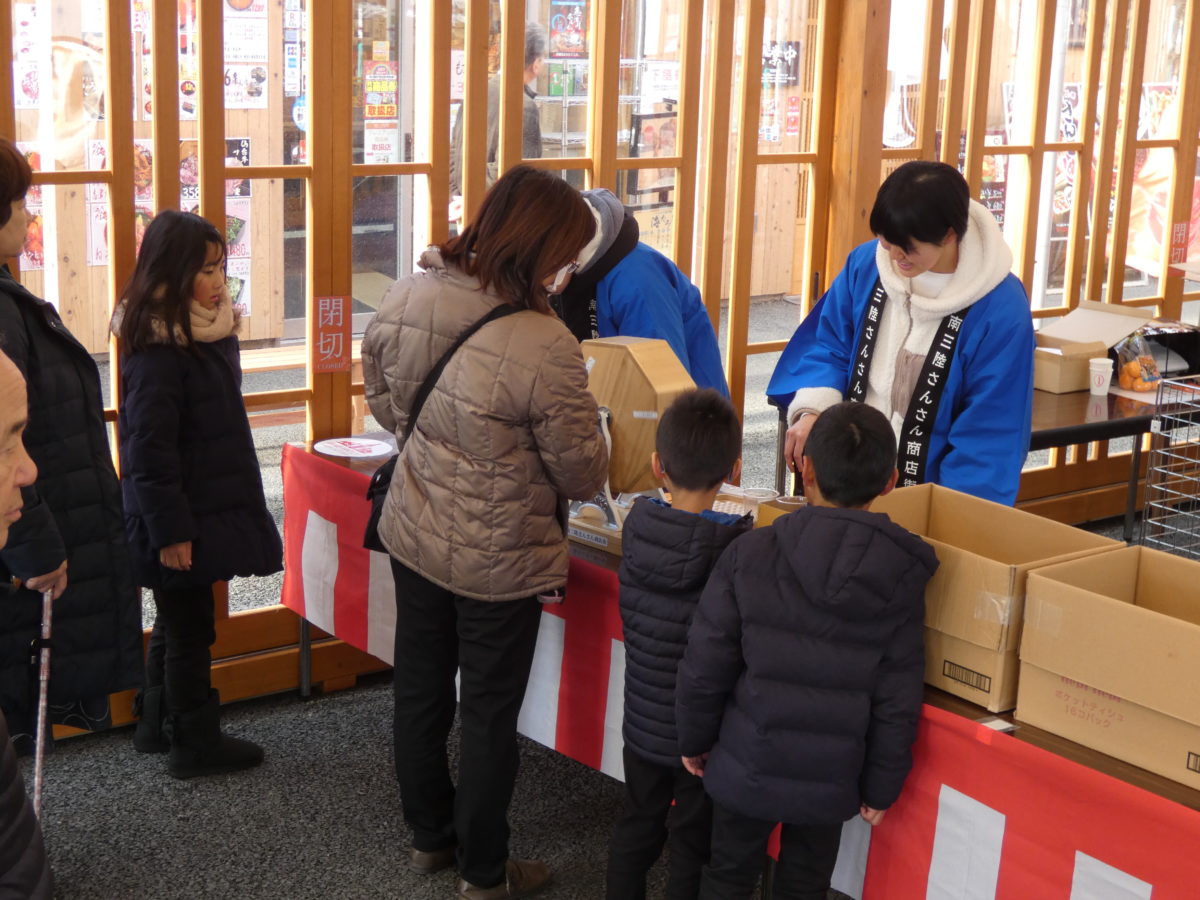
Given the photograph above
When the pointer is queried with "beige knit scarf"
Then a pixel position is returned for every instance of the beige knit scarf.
(208, 325)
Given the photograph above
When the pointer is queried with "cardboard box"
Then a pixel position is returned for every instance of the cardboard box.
(1060, 361)
(1110, 658)
(974, 605)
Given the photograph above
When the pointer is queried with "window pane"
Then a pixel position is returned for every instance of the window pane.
(265, 92)
(66, 225)
(1014, 60)
(562, 84)
(788, 72)
(391, 45)
(906, 67)
(59, 74)
(384, 248)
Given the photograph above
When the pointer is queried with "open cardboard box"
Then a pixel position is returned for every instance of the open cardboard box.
(1110, 658)
(1060, 361)
(974, 605)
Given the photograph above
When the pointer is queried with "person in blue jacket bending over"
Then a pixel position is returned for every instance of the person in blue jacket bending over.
(927, 324)
(624, 287)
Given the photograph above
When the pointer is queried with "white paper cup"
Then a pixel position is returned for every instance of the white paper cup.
(1100, 371)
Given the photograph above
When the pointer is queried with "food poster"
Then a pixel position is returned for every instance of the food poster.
(143, 67)
(31, 59)
(237, 153)
(34, 157)
(568, 29)
(237, 279)
(246, 49)
(33, 254)
(96, 197)
(97, 234)
(792, 126)
(993, 192)
(1151, 231)
(237, 227)
(189, 69)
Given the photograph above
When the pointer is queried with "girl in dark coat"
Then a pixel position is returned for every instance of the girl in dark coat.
(195, 511)
(70, 538)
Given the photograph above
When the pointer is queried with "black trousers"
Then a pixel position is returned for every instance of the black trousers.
(490, 645)
(642, 830)
(807, 855)
(179, 656)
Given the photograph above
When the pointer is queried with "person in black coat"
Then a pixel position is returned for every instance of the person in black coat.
(194, 506)
(24, 869)
(668, 553)
(70, 538)
(801, 687)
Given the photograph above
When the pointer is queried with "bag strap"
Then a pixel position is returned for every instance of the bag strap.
(426, 388)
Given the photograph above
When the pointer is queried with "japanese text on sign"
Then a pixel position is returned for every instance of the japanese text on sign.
(332, 350)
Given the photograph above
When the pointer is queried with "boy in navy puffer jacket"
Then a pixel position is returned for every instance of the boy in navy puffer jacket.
(669, 551)
(799, 693)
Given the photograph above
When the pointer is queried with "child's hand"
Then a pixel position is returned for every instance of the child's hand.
(695, 764)
(176, 556)
(874, 816)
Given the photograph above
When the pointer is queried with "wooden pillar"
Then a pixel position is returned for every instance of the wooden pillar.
(1077, 249)
(1105, 155)
(210, 111)
(512, 85)
(744, 192)
(439, 121)
(1131, 87)
(1185, 156)
(164, 85)
(474, 109)
(692, 30)
(716, 160)
(330, 207)
(858, 126)
(605, 87)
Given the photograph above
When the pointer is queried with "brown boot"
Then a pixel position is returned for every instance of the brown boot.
(428, 862)
(522, 877)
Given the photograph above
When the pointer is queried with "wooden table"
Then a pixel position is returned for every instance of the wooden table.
(1062, 420)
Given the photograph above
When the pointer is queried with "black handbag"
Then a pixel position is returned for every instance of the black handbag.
(382, 479)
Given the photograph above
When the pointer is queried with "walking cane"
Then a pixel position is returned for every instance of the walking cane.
(43, 694)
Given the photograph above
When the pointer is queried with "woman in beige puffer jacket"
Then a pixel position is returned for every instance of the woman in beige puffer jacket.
(473, 518)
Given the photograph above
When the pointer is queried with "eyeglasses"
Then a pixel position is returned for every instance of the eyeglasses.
(561, 276)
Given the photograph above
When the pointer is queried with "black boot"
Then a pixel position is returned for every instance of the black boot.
(148, 737)
(199, 748)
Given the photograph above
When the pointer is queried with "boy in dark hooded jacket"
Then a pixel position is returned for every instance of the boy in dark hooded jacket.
(669, 551)
(799, 693)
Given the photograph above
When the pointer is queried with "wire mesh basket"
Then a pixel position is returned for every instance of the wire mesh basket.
(1171, 517)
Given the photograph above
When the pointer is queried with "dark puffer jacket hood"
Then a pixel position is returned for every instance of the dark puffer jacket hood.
(803, 675)
(869, 569)
(668, 556)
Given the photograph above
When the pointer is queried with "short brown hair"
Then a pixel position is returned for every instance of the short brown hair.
(531, 224)
(15, 178)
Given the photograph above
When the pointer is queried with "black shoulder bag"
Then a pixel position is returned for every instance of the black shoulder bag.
(382, 479)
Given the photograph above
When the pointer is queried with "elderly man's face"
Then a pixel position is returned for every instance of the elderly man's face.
(16, 468)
